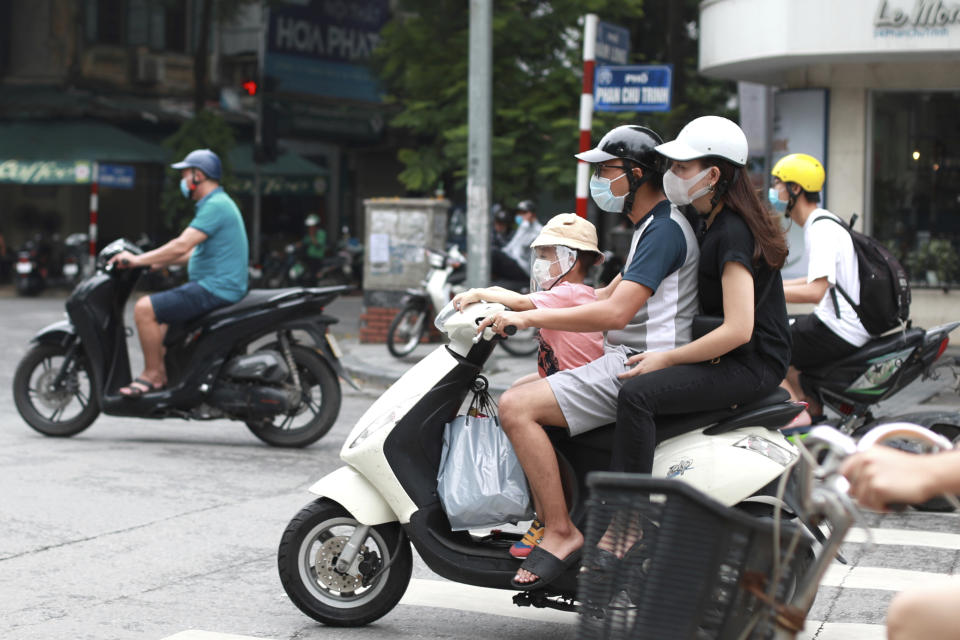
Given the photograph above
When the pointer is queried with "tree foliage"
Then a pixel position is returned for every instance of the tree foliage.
(537, 78)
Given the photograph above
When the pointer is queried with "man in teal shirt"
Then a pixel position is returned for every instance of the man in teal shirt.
(214, 246)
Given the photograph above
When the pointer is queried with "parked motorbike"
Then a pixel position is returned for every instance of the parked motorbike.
(33, 266)
(247, 361)
(444, 279)
(75, 256)
(702, 570)
(853, 385)
(345, 559)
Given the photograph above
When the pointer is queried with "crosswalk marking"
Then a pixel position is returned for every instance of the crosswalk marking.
(839, 575)
(453, 595)
(907, 537)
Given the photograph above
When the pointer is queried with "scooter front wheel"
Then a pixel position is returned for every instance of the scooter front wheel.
(369, 589)
(406, 330)
(53, 391)
(523, 343)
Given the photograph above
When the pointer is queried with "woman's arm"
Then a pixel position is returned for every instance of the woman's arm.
(737, 285)
(883, 476)
(607, 291)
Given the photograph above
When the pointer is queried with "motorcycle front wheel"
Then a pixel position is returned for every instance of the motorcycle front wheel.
(523, 343)
(54, 393)
(406, 330)
(316, 411)
(369, 589)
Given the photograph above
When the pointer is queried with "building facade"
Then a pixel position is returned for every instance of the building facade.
(872, 87)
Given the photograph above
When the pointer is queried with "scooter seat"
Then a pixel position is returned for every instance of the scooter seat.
(876, 348)
(255, 298)
(722, 420)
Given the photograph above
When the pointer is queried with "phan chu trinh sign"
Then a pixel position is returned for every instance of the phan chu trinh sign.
(633, 88)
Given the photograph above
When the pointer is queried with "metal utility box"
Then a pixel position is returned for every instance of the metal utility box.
(398, 229)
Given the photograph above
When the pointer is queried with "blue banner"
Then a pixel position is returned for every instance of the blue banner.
(117, 176)
(322, 47)
(633, 88)
(613, 44)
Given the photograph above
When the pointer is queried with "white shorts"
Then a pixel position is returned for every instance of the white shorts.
(588, 394)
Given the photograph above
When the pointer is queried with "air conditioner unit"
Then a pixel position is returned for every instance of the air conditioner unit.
(150, 69)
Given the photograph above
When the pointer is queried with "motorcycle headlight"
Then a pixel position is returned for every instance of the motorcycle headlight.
(767, 449)
(435, 260)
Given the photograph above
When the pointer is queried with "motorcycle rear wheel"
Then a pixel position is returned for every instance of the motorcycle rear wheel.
(319, 405)
(307, 558)
(43, 404)
(406, 330)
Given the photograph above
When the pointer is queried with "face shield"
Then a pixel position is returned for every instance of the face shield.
(549, 264)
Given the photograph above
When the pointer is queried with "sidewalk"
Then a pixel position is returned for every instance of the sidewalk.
(376, 368)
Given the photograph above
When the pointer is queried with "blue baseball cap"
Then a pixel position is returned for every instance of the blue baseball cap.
(203, 159)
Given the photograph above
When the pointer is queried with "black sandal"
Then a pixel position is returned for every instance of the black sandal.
(135, 392)
(546, 566)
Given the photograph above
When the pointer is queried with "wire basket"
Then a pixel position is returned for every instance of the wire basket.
(690, 567)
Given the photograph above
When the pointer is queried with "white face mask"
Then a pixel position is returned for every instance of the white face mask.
(678, 189)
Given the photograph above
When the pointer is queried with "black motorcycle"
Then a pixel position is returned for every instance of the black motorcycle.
(32, 268)
(242, 362)
(75, 256)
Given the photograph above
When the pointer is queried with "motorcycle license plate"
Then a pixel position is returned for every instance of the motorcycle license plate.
(70, 269)
(24, 267)
(334, 346)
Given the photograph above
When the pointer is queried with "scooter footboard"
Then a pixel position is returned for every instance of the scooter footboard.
(350, 489)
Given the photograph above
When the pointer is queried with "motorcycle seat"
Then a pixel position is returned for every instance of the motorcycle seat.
(884, 345)
(771, 411)
(255, 298)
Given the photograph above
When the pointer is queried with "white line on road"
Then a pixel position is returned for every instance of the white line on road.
(452, 595)
(908, 538)
(879, 578)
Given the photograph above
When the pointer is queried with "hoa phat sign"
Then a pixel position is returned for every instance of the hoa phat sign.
(926, 17)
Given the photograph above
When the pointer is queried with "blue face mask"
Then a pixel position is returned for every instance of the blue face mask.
(185, 188)
(601, 193)
(518, 219)
(774, 197)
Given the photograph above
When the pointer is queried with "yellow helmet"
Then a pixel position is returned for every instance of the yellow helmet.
(805, 170)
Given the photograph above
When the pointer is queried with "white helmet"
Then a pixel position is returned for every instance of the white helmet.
(705, 137)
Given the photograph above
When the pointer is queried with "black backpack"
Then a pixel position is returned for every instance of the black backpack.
(884, 288)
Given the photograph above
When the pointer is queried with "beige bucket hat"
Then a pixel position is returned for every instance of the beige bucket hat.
(568, 230)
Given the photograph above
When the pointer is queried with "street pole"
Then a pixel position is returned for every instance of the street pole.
(258, 136)
(586, 108)
(479, 125)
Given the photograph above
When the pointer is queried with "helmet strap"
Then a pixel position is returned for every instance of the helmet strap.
(721, 187)
(791, 199)
(633, 184)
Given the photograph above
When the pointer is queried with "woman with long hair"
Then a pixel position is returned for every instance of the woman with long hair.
(744, 352)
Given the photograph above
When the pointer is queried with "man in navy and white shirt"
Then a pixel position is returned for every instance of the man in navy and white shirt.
(649, 307)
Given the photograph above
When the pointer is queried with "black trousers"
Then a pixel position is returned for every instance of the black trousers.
(503, 267)
(685, 388)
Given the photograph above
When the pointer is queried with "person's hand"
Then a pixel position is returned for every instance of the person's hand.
(883, 476)
(500, 321)
(646, 362)
(124, 260)
(466, 298)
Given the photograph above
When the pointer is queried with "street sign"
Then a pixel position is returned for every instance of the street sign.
(613, 43)
(633, 88)
(118, 176)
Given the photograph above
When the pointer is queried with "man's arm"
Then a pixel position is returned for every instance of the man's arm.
(167, 254)
(806, 291)
(615, 312)
(794, 281)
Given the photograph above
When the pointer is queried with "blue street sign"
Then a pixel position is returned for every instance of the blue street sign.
(118, 176)
(633, 88)
(613, 44)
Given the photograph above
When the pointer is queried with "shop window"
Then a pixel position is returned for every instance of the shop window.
(104, 21)
(160, 25)
(916, 182)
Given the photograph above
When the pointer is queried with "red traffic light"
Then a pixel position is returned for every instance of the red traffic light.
(250, 86)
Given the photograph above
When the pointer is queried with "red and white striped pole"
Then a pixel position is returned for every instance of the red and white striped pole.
(586, 109)
(94, 209)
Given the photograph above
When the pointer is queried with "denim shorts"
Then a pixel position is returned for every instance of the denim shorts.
(184, 303)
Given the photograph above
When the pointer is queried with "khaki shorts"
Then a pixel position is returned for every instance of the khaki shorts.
(587, 395)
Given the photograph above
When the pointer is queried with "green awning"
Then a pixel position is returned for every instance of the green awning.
(289, 174)
(44, 152)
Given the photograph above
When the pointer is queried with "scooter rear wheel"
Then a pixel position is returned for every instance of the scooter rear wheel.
(318, 409)
(406, 330)
(55, 408)
(307, 558)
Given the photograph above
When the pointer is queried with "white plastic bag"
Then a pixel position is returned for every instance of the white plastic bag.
(481, 483)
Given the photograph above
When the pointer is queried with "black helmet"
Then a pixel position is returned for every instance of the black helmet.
(501, 215)
(630, 142)
(526, 205)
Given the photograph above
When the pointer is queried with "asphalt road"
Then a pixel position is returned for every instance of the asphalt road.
(139, 529)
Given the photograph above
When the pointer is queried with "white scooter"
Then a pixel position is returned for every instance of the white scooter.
(345, 559)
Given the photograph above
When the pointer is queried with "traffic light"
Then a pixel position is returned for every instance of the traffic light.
(250, 86)
(266, 151)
